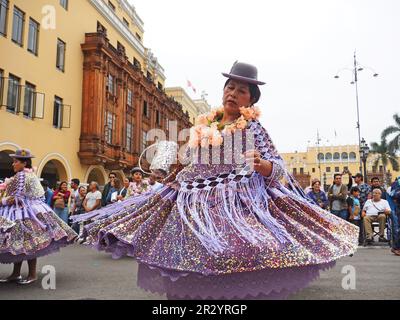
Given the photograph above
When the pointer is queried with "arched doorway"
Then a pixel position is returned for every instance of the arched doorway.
(6, 170)
(97, 175)
(54, 172)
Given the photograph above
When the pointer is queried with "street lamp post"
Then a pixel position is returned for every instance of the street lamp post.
(364, 151)
(355, 70)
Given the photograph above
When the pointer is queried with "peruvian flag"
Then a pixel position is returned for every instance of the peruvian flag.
(190, 85)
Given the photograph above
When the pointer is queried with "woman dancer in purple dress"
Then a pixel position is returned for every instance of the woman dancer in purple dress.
(228, 228)
(29, 228)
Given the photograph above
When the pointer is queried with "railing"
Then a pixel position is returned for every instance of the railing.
(337, 160)
(18, 99)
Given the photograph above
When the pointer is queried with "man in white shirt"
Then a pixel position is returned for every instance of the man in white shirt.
(375, 209)
(93, 198)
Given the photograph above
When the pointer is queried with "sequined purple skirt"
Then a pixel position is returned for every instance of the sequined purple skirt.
(268, 284)
(31, 231)
(172, 259)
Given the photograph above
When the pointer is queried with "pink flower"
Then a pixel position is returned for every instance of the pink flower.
(213, 127)
(241, 123)
(204, 132)
(246, 112)
(201, 120)
(3, 186)
(257, 112)
(211, 116)
(250, 113)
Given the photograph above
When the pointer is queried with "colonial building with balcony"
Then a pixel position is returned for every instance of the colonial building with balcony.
(120, 104)
(78, 87)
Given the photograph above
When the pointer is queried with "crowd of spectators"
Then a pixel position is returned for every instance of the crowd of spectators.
(362, 204)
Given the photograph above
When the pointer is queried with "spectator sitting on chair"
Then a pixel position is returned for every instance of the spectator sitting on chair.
(353, 201)
(375, 209)
(376, 184)
(337, 195)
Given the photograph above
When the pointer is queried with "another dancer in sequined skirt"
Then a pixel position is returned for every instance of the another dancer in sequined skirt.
(228, 229)
(28, 227)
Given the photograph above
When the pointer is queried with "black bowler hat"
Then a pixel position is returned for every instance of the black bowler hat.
(244, 72)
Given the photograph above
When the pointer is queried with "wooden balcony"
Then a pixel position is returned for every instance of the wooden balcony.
(100, 58)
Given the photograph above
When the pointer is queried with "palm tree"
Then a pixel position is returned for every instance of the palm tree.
(394, 145)
(384, 155)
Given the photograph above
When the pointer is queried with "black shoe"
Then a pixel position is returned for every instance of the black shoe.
(369, 241)
(383, 239)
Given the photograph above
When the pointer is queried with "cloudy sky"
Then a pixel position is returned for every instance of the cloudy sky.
(298, 47)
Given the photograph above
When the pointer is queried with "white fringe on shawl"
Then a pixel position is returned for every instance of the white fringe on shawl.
(235, 201)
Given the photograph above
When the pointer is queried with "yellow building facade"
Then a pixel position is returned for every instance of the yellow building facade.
(193, 107)
(41, 64)
(323, 162)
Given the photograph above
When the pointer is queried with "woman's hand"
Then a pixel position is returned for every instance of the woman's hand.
(263, 167)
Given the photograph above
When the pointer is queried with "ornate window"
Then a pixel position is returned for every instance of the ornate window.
(336, 156)
(328, 156)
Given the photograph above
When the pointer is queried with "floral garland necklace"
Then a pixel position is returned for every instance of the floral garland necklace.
(208, 129)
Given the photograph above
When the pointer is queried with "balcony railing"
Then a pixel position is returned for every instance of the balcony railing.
(18, 99)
